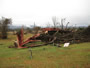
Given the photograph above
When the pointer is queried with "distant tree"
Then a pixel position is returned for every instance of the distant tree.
(36, 29)
(81, 29)
(56, 23)
(86, 31)
(4, 22)
(29, 30)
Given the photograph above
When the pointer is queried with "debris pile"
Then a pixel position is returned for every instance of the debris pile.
(60, 35)
(54, 36)
(63, 36)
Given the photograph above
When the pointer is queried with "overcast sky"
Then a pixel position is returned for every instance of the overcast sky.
(26, 12)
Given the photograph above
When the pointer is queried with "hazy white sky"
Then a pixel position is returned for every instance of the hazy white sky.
(27, 12)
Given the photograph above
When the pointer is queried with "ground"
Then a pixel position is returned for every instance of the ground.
(74, 56)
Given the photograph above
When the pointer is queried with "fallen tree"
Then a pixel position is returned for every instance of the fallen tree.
(53, 36)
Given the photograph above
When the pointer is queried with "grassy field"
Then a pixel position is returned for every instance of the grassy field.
(74, 56)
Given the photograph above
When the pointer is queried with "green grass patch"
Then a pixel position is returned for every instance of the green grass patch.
(74, 56)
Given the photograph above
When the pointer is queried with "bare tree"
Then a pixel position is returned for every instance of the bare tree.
(67, 25)
(4, 22)
(62, 22)
(54, 19)
(58, 24)
(36, 28)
